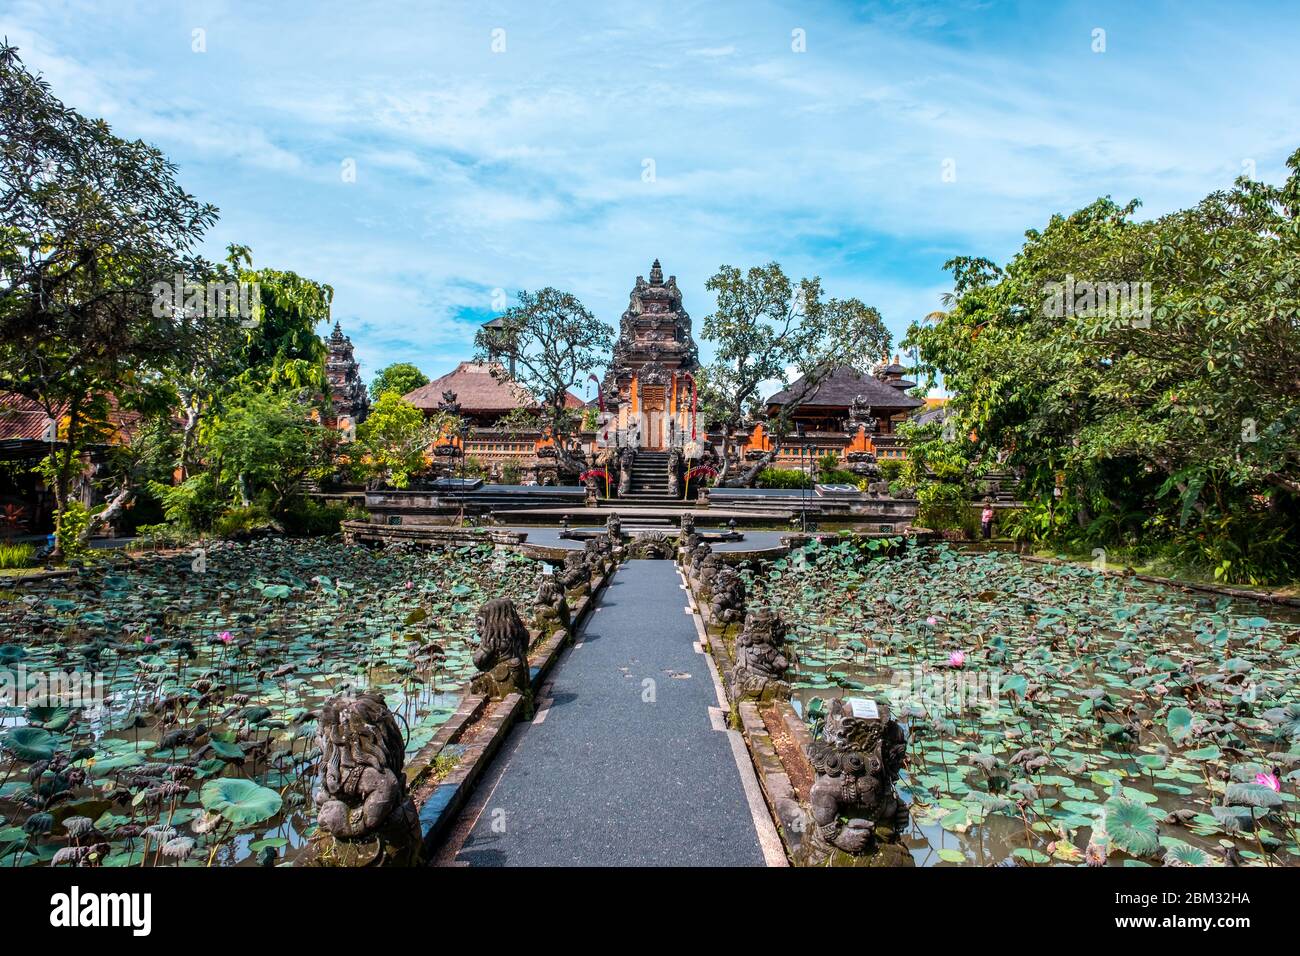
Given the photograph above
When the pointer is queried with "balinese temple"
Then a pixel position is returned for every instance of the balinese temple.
(351, 400)
(649, 390)
(859, 408)
(481, 394)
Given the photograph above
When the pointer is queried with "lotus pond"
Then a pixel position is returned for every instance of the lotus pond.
(196, 744)
(1054, 713)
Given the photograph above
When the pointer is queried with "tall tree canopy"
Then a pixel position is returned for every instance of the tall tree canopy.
(1179, 424)
(764, 327)
(400, 377)
(553, 343)
(89, 224)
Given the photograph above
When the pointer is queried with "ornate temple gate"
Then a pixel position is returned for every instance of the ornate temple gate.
(656, 418)
(653, 359)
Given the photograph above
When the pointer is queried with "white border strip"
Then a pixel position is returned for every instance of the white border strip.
(769, 841)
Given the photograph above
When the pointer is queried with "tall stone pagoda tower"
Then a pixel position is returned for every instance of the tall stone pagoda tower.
(351, 400)
(651, 375)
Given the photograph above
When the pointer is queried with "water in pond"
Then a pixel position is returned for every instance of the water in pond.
(198, 672)
(1041, 700)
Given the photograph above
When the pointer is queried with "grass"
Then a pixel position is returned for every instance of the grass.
(16, 556)
(1156, 566)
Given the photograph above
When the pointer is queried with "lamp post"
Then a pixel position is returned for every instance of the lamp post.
(803, 487)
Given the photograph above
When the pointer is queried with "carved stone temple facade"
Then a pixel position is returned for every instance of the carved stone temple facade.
(351, 400)
(649, 390)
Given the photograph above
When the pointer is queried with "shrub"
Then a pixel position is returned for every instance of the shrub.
(783, 478)
(163, 535)
(511, 473)
(193, 504)
(942, 506)
(890, 469)
(17, 555)
(838, 476)
(240, 521)
(307, 518)
(68, 528)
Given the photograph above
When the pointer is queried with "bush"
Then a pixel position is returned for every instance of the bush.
(240, 521)
(17, 555)
(308, 518)
(838, 476)
(163, 535)
(193, 504)
(511, 473)
(68, 528)
(783, 478)
(942, 506)
(890, 469)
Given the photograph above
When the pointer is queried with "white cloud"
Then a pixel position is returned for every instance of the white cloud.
(517, 170)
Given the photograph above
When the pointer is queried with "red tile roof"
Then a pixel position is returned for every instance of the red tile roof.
(23, 419)
(479, 392)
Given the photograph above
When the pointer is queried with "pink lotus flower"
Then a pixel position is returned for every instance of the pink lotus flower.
(226, 637)
(148, 638)
(409, 585)
(932, 620)
(1270, 781)
(957, 659)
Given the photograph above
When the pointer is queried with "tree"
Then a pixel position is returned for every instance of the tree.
(762, 328)
(266, 443)
(396, 436)
(274, 347)
(552, 343)
(1177, 422)
(89, 225)
(400, 377)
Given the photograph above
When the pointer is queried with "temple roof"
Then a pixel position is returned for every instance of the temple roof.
(841, 387)
(478, 391)
(22, 419)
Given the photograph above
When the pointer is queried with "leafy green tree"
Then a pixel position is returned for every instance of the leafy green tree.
(266, 443)
(400, 377)
(275, 347)
(763, 327)
(89, 225)
(395, 437)
(1177, 424)
(553, 343)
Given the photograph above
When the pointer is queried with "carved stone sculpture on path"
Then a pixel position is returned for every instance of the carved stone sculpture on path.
(551, 608)
(652, 544)
(704, 568)
(598, 553)
(675, 473)
(727, 596)
(365, 813)
(688, 538)
(502, 655)
(625, 459)
(762, 658)
(576, 574)
(614, 528)
(858, 818)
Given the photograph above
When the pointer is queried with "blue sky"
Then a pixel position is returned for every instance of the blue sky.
(479, 170)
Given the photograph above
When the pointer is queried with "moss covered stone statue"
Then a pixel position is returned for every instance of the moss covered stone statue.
(858, 818)
(502, 654)
(551, 608)
(365, 814)
(762, 659)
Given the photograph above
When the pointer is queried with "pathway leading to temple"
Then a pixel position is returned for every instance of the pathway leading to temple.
(628, 760)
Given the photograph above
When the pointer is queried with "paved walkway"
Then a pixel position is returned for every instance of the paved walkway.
(627, 762)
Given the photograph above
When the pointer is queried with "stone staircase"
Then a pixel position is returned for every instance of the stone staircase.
(650, 476)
